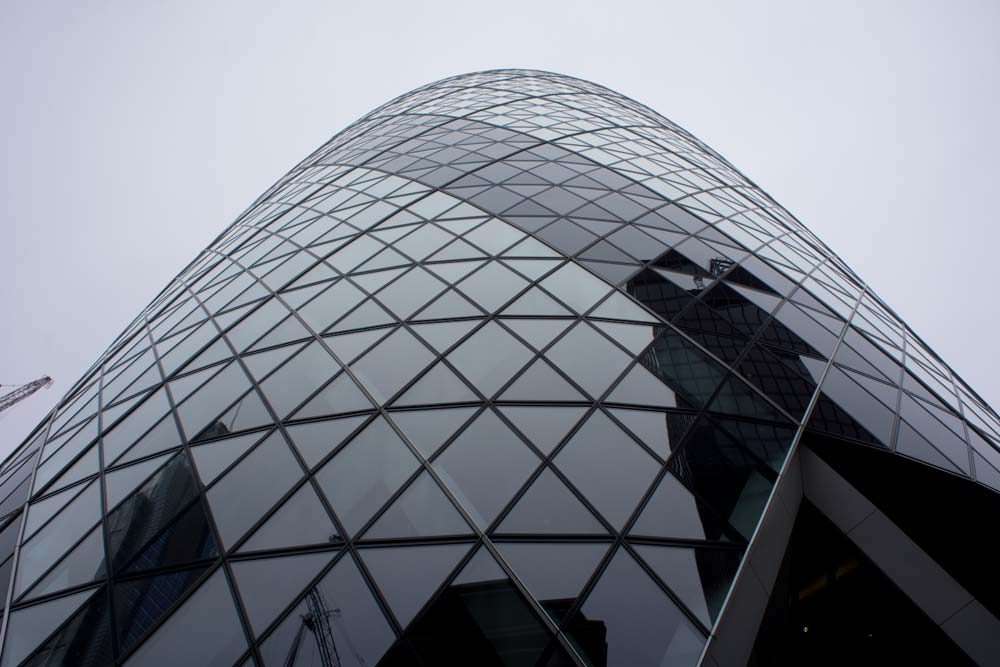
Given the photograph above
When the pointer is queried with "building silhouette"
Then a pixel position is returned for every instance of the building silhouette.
(512, 371)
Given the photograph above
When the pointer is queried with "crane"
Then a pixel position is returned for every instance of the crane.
(317, 621)
(23, 391)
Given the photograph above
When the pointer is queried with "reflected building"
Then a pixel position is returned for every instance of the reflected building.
(512, 371)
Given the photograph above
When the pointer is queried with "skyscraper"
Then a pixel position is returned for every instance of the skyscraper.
(511, 371)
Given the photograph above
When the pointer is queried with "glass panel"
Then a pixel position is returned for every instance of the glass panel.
(673, 512)
(429, 429)
(270, 470)
(608, 467)
(82, 565)
(423, 510)
(128, 430)
(52, 541)
(340, 396)
(541, 383)
(549, 507)
(538, 333)
(393, 363)
(485, 466)
(590, 359)
(699, 577)
(214, 457)
(642, 625)
(407, 576)
(186, 639)
(545, 427)
(489, 358)
(317, 439)
(480, 619)
(553, 572)
(266, 585)
(301, 520)
(140, 603)
(725, 474)
(123, 481)
(357, 627)
(492, 286)
(363, 475)
(640, 387)
(142, 533)
(438, 385)
(301, 376)
(28, 627)
(576, 287)
(84, 640)
(410, 292)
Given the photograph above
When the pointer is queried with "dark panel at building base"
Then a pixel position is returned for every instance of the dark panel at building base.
(832, 606)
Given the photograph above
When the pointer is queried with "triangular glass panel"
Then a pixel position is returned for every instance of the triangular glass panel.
(576, 287)
(82, 565)
(652, 428)
(85, 466)
(588, 358)
(171, 644)
(541, 383)
(182, 387)
(340, 396)
(699, 577)
(57, 536)
(315, 440)
(407, 576)
(123, 481)
(452, 272)
(270, 469)
(641, 625)
(538, 333)
(442, 335)
(366, 473)
(357, 625)
(533, 269)
(134, 611)
(530, 247)
(429, 429)
(28, 627)
(374, 281)
(247, 413)
(267, 585)
(489, 358)
(449, 305)
(349, 346)
(438, 385)
(160, 438)
(289, 330)
(485, 466)
(301, 520)
(480, 618)
(619, 307)
(725, 474)
(214, 457)
(492, 286)
(391, 364)
(553, 572)
(287, 387)
(633, 337)
(423, 510)
(911, 443)
(262, 363)
(457, 249)
(368, 314)
(608, 467)
(545, 426)
(535, 302)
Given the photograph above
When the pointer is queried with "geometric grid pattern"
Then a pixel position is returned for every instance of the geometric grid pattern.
(504, 373)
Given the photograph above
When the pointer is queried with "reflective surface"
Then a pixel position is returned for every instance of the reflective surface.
(502, 374)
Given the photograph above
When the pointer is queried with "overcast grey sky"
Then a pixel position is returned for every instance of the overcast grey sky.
(134, 132)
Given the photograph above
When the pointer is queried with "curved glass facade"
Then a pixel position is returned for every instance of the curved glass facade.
(505, 373)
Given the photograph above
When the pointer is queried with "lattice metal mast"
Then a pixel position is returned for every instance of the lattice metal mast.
(23, 391)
